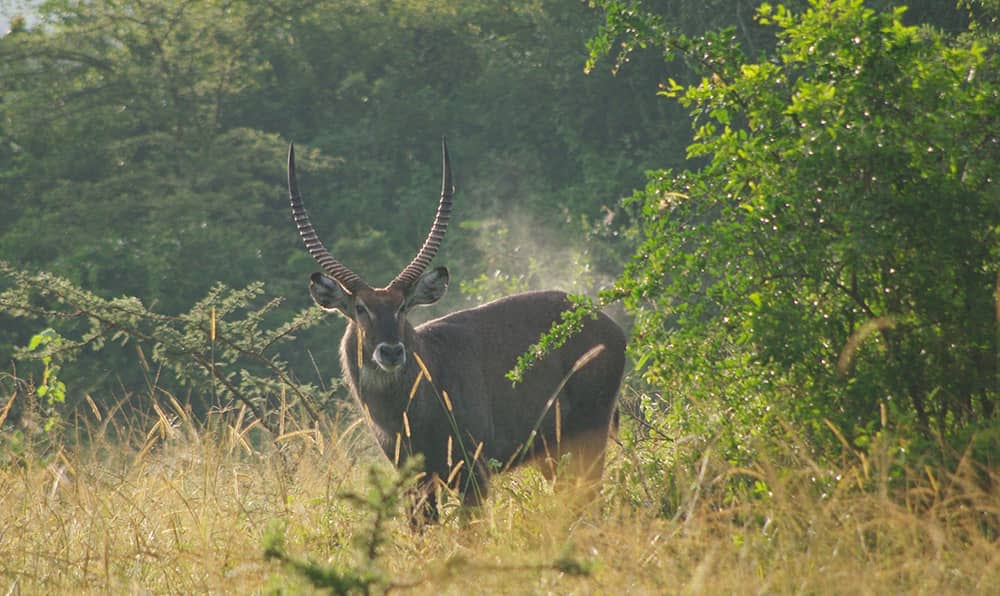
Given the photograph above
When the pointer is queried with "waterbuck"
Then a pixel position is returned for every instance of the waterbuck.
(440, 389)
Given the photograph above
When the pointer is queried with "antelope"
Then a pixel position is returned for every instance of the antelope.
(439, 389)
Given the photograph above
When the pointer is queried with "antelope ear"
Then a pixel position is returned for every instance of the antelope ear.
(329, 294)
(429, 288)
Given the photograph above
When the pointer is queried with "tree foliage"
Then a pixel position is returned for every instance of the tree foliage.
(144, 145)
(838, 248)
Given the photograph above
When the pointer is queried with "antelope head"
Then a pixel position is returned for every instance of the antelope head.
(378, 314)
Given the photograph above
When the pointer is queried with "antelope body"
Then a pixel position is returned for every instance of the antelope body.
(440, 389)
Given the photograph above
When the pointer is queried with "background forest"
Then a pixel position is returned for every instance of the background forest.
(792, 207)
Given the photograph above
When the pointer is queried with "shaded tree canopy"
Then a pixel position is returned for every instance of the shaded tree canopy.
(144, 143)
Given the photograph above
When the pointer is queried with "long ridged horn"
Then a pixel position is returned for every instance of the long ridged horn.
(342, 274)
(433, 241)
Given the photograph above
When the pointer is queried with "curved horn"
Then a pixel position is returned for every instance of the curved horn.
(433, 241)
(345, 276)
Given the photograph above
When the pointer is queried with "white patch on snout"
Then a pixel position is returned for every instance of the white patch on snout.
(378, 349)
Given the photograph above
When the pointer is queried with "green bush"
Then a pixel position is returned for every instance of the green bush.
(836, 251)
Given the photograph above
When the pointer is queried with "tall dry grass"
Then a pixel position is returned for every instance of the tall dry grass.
(177, 506)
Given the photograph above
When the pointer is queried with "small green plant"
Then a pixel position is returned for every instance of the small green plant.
(571, 322)
(352, 581)
(51, 388)
(386, 490)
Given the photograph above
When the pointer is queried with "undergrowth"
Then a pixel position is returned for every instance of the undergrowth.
(170, 504)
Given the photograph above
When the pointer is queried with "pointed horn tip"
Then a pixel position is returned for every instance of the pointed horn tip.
(291, 167)
(447, 183)
(293, 184)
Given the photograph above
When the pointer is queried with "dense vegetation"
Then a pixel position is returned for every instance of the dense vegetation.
(810, 271)
(145, 147)
(836, 251)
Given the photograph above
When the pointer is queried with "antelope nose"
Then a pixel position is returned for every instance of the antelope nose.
(390, 356)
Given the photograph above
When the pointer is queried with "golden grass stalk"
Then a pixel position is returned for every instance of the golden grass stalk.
(312, 435)
(368, 416)
(7, 407)
(558, 423)
(454, 471)
(360, 334)
(416, 384)
(858, 337)
(90, 402)
(423, 367)
(211, 326)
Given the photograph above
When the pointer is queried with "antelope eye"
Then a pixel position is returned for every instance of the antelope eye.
(360, 309)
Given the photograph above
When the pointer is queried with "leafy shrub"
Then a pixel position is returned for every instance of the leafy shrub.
(223, 350)
(837, 250)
